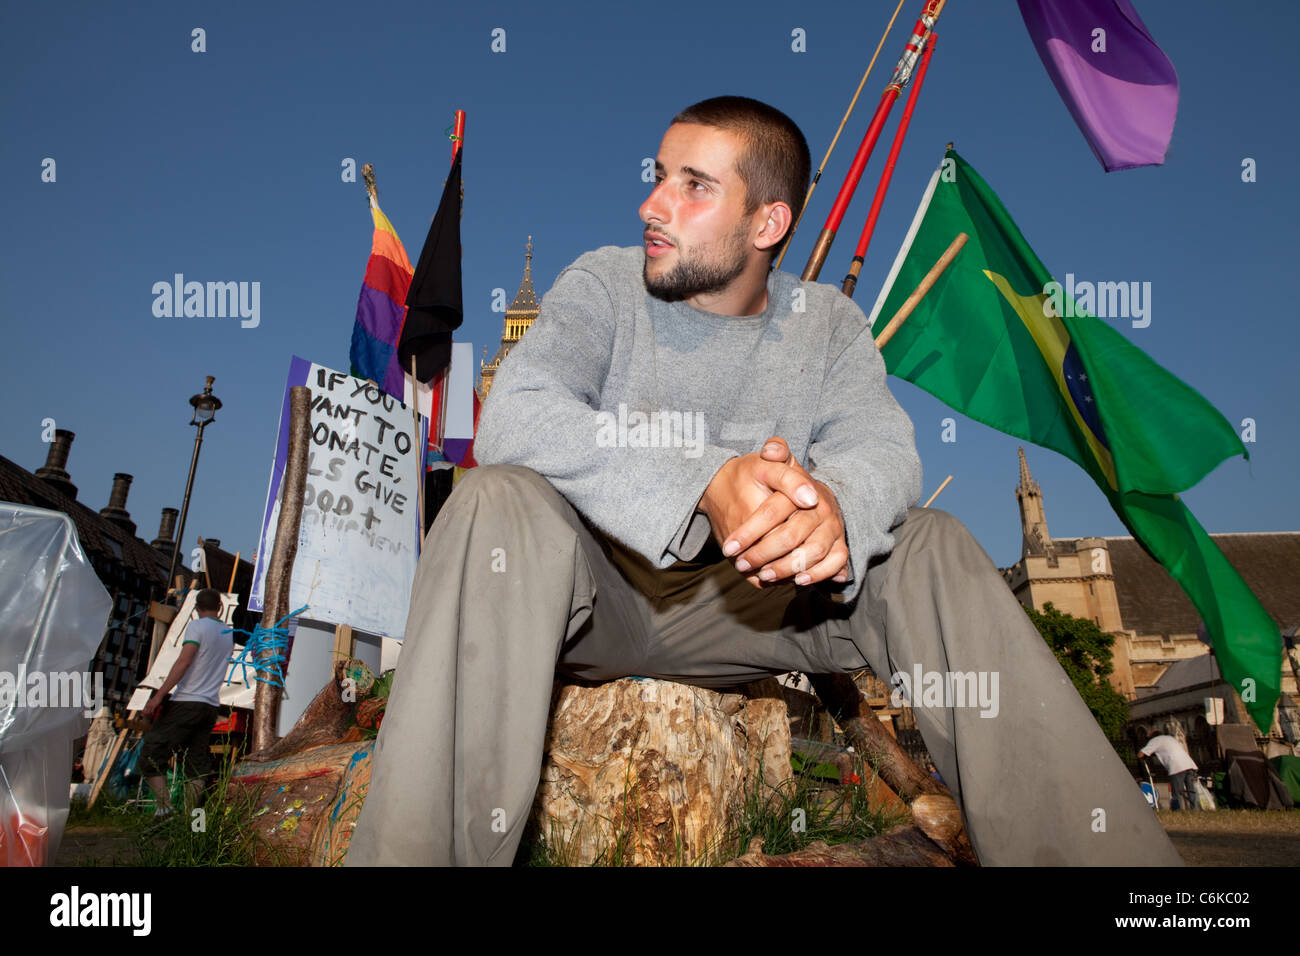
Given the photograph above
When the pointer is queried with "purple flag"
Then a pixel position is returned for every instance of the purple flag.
(1119, 86)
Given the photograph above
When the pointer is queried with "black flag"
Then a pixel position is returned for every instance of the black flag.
(434, 305)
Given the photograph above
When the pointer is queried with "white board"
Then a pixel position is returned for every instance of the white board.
(359, 538)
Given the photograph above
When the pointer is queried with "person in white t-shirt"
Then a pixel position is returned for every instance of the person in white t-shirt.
(1178, 764)
(186, 723)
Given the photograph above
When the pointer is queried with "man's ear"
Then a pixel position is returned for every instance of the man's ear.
(776, 225)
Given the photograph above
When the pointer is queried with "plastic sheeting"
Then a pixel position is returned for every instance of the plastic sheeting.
(53, 612)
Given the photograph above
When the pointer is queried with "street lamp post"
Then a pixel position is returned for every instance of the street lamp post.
(205, 407)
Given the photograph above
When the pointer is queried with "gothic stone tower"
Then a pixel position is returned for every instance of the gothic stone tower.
(1074, 574)
(521, 314)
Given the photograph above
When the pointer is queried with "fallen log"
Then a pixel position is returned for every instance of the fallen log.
(303, 807)
(869, 738)
(939, 818)
(328, 716)
(933, 808)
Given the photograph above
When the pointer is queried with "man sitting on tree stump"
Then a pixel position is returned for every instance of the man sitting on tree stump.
(691, 468)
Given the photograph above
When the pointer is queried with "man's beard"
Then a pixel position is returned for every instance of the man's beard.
(690, 277)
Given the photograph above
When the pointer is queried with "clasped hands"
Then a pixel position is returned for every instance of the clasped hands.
(774, 519)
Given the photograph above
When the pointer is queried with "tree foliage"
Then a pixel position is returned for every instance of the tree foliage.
(1084, 652)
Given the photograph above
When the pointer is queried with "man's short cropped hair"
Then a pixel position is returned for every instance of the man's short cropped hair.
(775, 163)
(209, 599)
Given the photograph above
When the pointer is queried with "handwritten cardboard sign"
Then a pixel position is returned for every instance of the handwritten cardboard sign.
(359, 539)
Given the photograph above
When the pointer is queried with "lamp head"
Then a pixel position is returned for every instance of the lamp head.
(205, 405)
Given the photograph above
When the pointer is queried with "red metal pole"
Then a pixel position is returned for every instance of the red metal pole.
(902, 73)
(859, 254)
(458, 134)
(438, 404)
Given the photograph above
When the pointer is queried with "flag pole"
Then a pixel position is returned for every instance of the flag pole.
(457, 135)
(937, 490)
(835, 139)
(902, 73)
(437, 394)
(436, 424)
(372, 189)
(415, 414)
(886, 174)
(918, 294)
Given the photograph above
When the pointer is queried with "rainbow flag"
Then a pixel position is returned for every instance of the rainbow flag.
(381, 308)
(991, 340)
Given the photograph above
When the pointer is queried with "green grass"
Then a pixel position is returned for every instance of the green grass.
(219, 830)
(108, 811)
(831, 813)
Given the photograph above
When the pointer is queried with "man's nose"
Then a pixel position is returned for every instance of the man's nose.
(655, 207)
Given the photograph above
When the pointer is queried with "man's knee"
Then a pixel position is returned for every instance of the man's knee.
(492, 479)
(929, 526)
(500, 483)
(506, 499)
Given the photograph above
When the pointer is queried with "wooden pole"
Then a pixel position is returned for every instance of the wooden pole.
(919, 292)
(279, 571)
(936, 494)
(835, 139)
(933, 808)
(233, 571)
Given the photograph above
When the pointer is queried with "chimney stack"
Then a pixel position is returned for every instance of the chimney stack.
(166, 528)
(53, 472)
(116, 511)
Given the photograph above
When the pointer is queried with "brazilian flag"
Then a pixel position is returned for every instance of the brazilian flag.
(991, 341)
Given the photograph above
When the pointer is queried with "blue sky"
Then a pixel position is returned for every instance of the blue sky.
(225, 166)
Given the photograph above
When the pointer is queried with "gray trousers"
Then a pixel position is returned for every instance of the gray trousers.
(1182, 788)
(513, 585)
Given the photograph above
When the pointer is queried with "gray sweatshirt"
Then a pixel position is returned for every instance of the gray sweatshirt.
(629, 405)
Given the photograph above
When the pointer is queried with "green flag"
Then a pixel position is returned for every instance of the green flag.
(993, 340)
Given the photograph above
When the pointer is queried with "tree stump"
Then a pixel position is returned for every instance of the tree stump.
(649, 771)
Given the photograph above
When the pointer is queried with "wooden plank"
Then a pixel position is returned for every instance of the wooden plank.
(162, 612)
(345, 644)
(108, 766)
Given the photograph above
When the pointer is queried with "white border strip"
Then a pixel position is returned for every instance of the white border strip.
(907, 244)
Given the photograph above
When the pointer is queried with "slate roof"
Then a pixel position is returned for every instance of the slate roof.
(1188, 672)
(99, 537)
(1151, 602)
